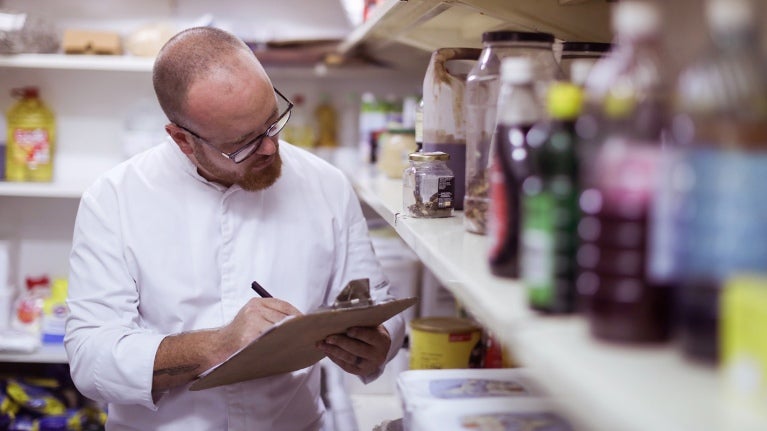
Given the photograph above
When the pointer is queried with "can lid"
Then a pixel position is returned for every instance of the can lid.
(586, 47)
(516, 36)
(429, 156)
(444, 324)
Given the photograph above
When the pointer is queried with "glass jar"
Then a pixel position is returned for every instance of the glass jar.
(481, 101)
(428, 186)
(588, 52)
(394, 147)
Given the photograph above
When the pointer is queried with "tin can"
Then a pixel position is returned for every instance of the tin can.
(444, 342)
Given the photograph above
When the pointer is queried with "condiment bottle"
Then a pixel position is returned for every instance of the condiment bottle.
(550, 205)
(518, 112)
(625, 291)
(428, 186)
(31, 138)
(722, 122)
(443, 122)
(481, 101)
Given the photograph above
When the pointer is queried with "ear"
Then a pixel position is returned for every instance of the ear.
(180, 137)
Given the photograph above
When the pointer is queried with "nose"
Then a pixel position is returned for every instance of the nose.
(269, 145)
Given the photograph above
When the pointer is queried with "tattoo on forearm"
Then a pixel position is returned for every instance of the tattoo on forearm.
(175, 371)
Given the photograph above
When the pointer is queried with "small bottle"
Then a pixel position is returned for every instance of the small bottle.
(327, 123)
(550, 205)
(31, 138)
(428, 186)
(518, 112)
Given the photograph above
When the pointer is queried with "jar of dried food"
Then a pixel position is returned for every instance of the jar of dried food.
(428, 186)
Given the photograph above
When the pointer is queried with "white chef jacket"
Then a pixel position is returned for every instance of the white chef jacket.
(159, 250)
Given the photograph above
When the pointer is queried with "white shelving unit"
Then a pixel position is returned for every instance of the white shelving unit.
(601, 386)
(46, 354)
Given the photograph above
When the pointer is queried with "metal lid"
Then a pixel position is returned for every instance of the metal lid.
(444, 325)
(516, 36)
(586, 47)
(429, 157)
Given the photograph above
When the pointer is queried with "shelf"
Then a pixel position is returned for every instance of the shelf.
(604, 386)
(113, 63)
(72, 175)
(432, 24)
(46, 354)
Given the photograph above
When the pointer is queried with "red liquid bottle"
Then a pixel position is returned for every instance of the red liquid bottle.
(518, 111)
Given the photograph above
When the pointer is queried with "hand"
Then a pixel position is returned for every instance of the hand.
(361, 351)
(256, 316)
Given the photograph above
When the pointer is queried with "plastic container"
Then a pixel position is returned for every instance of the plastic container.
(722, 125)
(419, 389)
(395, 147)
(443, 120)
(445, 342)
(31, 138)
(623, 280)
(550, 205)
(481, 101)
(428, 186)
(518, 112)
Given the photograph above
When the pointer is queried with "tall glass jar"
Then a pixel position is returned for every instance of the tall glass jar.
(428, 186)
(480, 104)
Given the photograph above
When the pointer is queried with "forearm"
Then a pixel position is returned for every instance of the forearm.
(182, 357)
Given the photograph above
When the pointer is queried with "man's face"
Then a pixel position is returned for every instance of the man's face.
(228, 110)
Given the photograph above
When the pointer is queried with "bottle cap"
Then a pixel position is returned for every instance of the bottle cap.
(635, 18)
(585, 47)
(579, 71)
(729, 15)
(564, 100)
(516, 70)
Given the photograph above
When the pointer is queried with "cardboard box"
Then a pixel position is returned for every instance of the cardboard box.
(91, 42)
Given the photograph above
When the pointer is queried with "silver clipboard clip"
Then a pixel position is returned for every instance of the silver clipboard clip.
(355, 294)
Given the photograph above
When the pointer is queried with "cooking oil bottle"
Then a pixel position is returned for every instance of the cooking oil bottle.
(31, 138)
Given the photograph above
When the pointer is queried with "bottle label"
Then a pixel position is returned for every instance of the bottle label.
(34, 144)
(538, 247)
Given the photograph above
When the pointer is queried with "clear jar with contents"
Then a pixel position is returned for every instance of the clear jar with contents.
(585, 51)
(481, 102)
(428, 186)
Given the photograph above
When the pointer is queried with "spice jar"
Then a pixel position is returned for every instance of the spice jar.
(428, 186)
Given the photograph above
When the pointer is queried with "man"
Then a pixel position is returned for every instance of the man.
(166, 246)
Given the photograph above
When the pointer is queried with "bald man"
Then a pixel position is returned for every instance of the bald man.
(167, 244)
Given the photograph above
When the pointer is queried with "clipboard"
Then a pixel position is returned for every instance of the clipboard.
(290, 344)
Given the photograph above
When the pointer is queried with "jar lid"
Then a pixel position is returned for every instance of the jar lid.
(516, 36)
(429, 157)
(444, 325)
(586, 46)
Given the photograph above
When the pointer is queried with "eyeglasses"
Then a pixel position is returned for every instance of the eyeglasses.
(239, 155)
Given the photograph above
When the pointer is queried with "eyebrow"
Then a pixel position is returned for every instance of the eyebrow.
(249, 135)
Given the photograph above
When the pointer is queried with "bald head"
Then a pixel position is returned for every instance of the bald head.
(190, 55)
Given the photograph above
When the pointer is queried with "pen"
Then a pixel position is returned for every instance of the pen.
(260, 290)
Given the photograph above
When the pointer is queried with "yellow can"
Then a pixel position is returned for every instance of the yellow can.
(444, 342)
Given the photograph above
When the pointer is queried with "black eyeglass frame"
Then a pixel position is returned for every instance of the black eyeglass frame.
(255, 142)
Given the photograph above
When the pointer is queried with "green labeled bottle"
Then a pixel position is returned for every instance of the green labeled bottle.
(550, 205)
(31, 138)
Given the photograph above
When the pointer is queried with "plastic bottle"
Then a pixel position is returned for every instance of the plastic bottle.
(327, 123)
(481, 100)
(626, 294)
(722, 120)
(55, 312)
(31, 138)
(550, 205)
(518, 112)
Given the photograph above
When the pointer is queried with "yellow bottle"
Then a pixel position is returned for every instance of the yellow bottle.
(327, 122)
(31, 138)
